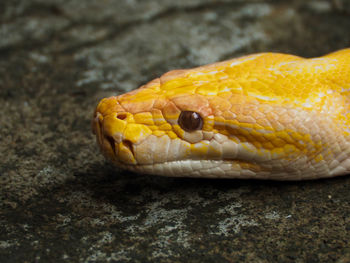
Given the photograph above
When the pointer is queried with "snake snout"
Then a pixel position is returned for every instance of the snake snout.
(112, 136)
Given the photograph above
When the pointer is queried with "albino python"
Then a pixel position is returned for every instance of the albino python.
(263, 116)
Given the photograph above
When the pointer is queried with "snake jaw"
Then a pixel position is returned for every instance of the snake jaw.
(135, 146)
(216, 156)
(175, 157)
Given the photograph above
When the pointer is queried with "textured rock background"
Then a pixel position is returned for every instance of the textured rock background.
(59, 199)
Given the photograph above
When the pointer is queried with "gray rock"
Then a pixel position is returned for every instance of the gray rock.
(61, 201)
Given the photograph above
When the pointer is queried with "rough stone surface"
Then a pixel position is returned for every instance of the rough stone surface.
(61, 202)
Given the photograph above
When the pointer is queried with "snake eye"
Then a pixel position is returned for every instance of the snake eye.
(190, 121)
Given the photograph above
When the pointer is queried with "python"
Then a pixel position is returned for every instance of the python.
(262, 116)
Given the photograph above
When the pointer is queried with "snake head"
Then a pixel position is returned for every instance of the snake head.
(266, 116)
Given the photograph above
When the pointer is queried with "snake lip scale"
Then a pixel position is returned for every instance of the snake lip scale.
(262, 116)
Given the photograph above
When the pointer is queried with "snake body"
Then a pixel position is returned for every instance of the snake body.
(263, 116)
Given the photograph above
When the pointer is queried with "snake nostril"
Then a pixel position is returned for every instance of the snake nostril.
(128, 144)
(121, 116)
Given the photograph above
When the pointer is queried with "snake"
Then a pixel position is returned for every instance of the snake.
(266, 115)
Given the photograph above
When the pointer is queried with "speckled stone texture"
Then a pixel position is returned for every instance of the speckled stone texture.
(60, 201)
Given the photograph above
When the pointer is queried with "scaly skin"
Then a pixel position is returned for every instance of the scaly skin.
(266, 116)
